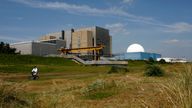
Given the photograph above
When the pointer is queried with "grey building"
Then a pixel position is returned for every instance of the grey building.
(39, 48)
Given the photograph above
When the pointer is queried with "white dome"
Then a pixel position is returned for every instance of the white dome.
(135, 48)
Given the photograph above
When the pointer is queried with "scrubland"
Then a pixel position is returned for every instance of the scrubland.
(64, 84)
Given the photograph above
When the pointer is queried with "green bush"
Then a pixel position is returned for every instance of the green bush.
(115, 69)
(162, 61)
(154, 70)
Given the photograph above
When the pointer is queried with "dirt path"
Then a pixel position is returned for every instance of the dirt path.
(19, 77)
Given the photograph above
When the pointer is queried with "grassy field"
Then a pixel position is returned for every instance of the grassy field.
(64, 84)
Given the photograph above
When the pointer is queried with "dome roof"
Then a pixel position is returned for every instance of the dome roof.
(135, 48)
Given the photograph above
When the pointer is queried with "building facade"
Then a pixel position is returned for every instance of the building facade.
(79, 38)
(137, 56)
(92, 37)
(39, 48)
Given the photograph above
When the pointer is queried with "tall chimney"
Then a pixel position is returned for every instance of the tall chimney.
(72, 30)
(63, 34)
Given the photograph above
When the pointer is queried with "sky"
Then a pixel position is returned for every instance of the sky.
(160, 26)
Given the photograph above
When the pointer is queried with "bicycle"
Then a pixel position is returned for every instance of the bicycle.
(33, 77)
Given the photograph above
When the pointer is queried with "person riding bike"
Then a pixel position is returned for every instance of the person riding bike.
(34, 72)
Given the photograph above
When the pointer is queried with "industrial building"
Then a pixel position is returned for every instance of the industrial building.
(137, 52)
(137, 56)
(39, 48)
(92, 37)
(70, 39)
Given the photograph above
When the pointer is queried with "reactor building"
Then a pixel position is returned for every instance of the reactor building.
(137, 52)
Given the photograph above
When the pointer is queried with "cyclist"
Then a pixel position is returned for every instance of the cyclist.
(34, 72)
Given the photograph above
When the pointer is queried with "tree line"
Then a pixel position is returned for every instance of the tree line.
(6, 49)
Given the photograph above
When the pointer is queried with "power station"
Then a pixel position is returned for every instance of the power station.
(87, 43)
(70, 39)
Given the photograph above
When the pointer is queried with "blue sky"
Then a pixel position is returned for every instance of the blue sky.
(161, 26)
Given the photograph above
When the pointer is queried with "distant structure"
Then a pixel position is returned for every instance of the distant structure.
(79, 38)
(173, 60)
(137, 52)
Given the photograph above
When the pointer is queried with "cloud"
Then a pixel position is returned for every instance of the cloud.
(178, 43)
(127, 1)
(172, 41)
(84, 9)
(117, 29)
(19, 18)
(179, 27)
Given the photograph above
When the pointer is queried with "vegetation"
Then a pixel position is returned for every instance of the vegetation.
(6, 59)
(154, 70)
(118, 69)
(64, 84)
(5, 49)
(179, 90)
(162, 61)
(10, 96)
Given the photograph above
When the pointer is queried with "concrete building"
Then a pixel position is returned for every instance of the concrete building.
(92, 37)
(39, 48)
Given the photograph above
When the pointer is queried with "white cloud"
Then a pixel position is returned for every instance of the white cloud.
(117, 29)
(172, 41)
(84, 9)
(127, 1)
(179, 27)
(178, 43)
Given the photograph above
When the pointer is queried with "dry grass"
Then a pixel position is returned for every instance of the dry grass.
(11, 95)
(178, 91)
(130, 90)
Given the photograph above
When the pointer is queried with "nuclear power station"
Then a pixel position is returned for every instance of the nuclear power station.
(69, 39)
(85, 43)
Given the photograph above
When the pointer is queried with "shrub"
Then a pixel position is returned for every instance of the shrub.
(115, 69)
(162, 61)
(154, 70)
(151, 61)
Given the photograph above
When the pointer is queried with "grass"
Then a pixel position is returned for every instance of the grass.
(99, 89)
(24, 64)
(6, 59)
(179, 90)
(77, 86)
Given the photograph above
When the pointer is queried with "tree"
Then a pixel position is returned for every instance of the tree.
(6, 49)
